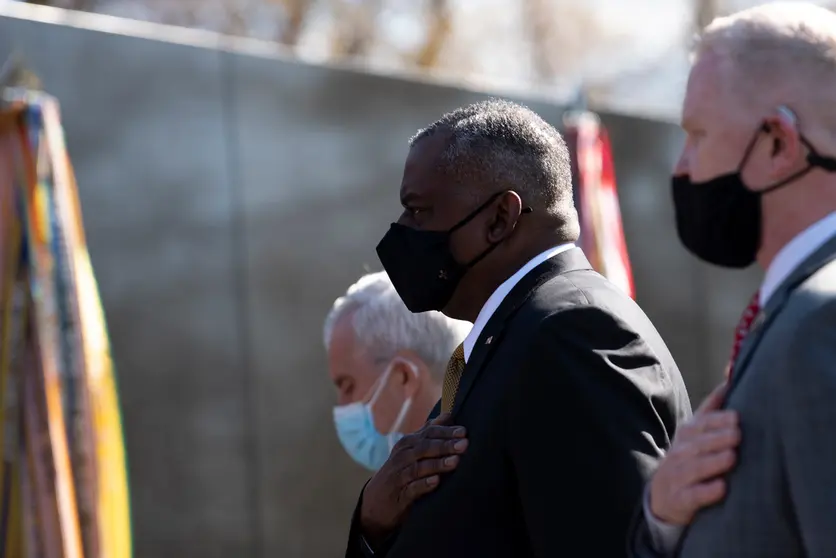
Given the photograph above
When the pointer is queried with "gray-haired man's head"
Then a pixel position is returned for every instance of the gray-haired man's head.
(369, 331)
(498, 145)
(497, 178)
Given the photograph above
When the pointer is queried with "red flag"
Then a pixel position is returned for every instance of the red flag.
(596, 198)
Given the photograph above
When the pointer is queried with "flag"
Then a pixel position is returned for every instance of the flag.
(63, 472)
(596, 198)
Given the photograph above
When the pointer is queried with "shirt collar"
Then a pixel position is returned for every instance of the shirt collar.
(502, 291)
(794, 253)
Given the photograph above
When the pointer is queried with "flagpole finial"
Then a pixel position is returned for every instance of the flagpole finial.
(580, 102)
(15, 73)
(577, 110)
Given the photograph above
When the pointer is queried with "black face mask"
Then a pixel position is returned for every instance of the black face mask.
(421, 266)
(719, 220)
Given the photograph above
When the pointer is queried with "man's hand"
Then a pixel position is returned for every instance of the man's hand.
(702, 450)
(412, 470)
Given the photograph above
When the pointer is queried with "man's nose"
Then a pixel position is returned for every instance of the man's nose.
(682, 164)
(403, 219)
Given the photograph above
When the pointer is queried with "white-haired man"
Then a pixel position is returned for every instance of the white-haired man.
(756, 182)
(387, 365)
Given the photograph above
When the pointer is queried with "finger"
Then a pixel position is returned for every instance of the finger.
(418, 488)
(433, 448)
(443, 418)
(426, 468)
(443, 432)
(714, 400)
(709, 421)
(716, 441)
(718, 420)
(705, 494)
(708, 467)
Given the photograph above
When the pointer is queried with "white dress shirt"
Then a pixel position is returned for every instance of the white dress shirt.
(665, 537)
(794, 253)
(501, 292)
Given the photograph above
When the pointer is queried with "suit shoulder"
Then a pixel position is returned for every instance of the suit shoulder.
(801, 343)
(577, 289)
(802, 370)
(575, 313)
(585, 309)
(584, 294)
(810, 310)
(813, 319)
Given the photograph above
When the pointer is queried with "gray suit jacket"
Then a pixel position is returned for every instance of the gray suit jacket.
(781, 497)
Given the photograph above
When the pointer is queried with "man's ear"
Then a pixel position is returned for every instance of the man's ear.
(509, 207)
(410, 371)
(786, 146)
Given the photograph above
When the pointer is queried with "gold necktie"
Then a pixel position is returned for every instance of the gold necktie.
(451, 379)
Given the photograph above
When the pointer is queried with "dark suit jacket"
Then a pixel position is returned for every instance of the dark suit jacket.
(781, 496)
(569, 398)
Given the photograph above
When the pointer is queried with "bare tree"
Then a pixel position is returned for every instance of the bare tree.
(354, 27)
(440, 28)
(540, 29)
(296, 12)
(706, 11)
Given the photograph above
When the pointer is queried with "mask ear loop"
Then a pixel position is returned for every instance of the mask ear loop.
(381, 383)
(474, 213)
(407, 404)
(814, 160)
(480, 209)
(470, 217)
(763, 129)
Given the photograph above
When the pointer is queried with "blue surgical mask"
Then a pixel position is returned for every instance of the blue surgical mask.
(356, 431)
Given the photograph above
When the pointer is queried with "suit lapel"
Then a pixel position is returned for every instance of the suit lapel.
(435, 411)
(489, 339)
(766, 317)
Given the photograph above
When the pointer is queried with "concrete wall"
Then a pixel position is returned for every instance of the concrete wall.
(229, 197)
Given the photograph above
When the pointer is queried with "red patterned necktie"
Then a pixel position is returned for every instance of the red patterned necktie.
(742, 330)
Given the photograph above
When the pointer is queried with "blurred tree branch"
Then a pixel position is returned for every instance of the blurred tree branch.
(706, 11)
(540, 29)
(355, 26)
(440, 28)
(296, 12)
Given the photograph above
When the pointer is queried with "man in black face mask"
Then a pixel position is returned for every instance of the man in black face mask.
(756, 182)
(559, 401)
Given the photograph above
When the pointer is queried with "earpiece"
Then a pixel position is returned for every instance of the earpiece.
(789, 115)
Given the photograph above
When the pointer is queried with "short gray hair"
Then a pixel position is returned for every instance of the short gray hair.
(784, 51)
(384, 325)
(499, 145)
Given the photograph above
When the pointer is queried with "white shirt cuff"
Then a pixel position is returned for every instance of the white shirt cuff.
(664, 537)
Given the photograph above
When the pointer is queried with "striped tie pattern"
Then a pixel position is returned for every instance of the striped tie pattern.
(742, 330)
(452, 377)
